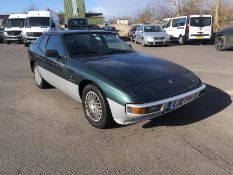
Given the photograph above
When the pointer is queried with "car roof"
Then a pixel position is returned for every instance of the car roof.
(64, 32)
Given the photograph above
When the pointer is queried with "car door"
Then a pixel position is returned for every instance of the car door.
(168, 28)
(53, 70)
(139, 34)
(178, 27)
(231, 38)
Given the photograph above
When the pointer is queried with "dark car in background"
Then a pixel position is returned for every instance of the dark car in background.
(112, 81)
(111, 29)
(1, 34)
(131, 34)
(224, 39)
(77, 24)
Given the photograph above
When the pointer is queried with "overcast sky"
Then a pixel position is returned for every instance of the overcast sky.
(108, 7)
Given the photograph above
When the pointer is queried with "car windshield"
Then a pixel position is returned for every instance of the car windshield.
(15, 22)
(77, 22)
(37, 22)
(95, 44)
(153, 29)
(110, 28)
(200, 21)
(135, 28)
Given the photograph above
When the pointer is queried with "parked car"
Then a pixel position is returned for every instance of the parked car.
(14, 27)
(190, 28)
(112, 81)
(77, 24)
(1, 34)
(224, 39)
(132, 32)
(38, 22)
(111, 29)
(151, 35)
(94, 27)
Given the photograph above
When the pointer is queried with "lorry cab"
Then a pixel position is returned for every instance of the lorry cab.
(37, 23)
(14, 27)
(190, 28)
(77, 24)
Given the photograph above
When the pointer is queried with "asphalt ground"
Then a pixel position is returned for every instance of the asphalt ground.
(45, 131)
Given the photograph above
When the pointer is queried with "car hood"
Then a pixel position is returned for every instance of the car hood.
(146, 77)
(156, 34)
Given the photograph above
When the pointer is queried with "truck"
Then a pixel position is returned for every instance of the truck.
(37, 23)
(13, 28)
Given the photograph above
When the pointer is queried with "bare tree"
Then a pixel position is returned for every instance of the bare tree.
(31, 7)
(188, 7)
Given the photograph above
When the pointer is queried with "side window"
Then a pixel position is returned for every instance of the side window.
(54, 43)
(175, 22)
(182, 21)
(169, 23)
(43, 42)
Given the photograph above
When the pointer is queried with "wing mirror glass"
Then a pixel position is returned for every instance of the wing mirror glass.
(52, 53)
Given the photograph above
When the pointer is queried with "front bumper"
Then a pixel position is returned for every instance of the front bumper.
(28, 40)
(156, 42)
(121, 116)
(13, 38)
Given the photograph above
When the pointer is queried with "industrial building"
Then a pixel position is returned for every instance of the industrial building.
(77, 9)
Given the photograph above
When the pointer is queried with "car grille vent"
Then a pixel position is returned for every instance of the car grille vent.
(34, 34)
(14, 33)
(159, 38)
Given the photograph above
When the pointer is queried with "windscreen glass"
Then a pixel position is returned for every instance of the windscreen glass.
(37, 22)
(153, 29)
(200, 21)
(77, 22)
(93, 44)
(15, 22)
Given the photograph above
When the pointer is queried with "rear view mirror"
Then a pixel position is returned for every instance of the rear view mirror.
(52, 53)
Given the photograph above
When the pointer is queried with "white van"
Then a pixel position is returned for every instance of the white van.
(13, 28)
(188, 28)
(38, 22)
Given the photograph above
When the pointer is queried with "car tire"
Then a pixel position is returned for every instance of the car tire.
(94, 100)
(131, 39)
(143, 43)
(8, 42)
(40, 82)
(220, 43)
(26, 44)
(181, 40)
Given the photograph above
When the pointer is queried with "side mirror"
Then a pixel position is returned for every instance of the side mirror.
(52, 53)
(53, 25)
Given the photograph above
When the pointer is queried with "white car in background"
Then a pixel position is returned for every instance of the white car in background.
(38, 22)
(149, 35)
(13, 28)
(189, 28)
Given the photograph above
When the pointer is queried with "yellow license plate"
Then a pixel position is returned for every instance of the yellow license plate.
(199, 36)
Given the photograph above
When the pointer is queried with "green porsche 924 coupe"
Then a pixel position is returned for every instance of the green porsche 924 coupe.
(112, 81)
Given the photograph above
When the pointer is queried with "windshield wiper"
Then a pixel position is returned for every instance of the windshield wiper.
(118, 51)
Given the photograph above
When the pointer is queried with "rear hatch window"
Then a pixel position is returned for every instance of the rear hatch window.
(200, 21)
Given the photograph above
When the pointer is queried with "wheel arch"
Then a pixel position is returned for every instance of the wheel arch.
(32, 63)
(82, 85)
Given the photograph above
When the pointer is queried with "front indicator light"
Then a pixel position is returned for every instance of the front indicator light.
(136, 110)
(146, 110)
